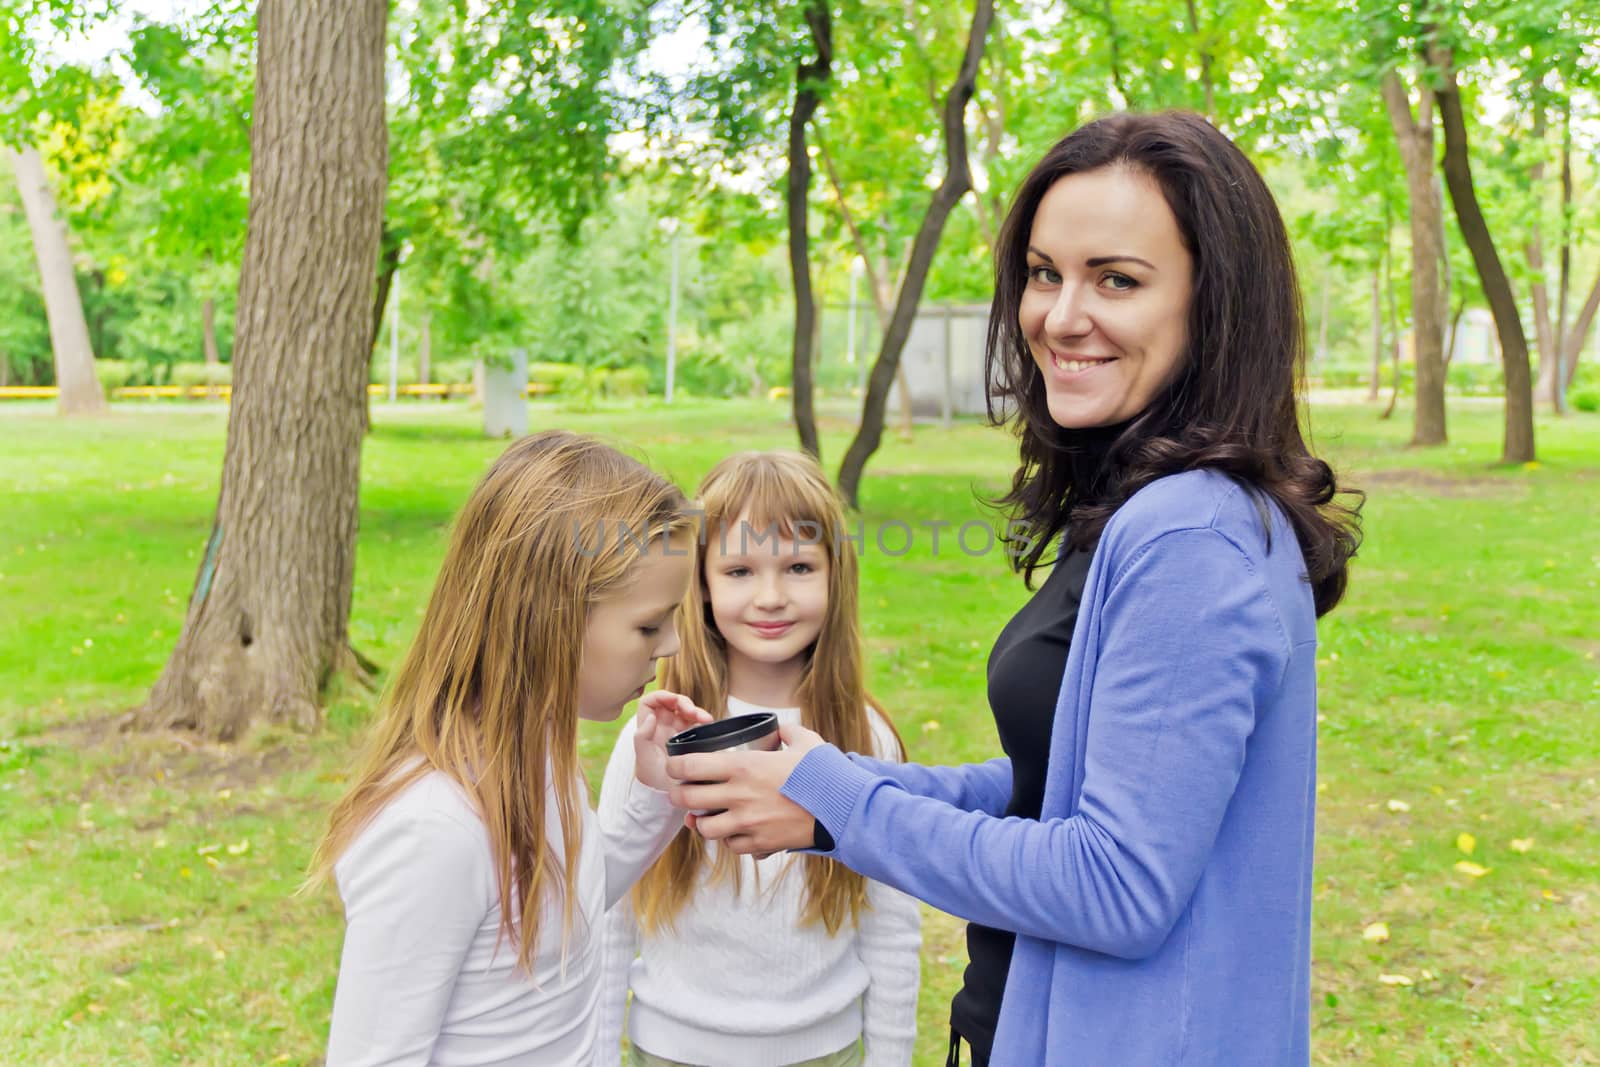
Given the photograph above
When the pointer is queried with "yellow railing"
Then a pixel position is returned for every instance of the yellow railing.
(223, 392)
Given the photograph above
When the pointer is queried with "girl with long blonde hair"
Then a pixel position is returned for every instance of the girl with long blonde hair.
(787, 959)
(473, 873)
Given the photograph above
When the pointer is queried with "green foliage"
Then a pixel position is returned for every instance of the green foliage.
(116, 373)
(559, 377)
(625, 383)
(190, 375)
(1587, 399)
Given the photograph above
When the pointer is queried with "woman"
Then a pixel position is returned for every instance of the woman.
(1138, 869)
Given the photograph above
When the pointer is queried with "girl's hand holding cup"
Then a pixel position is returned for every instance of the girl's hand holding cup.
(661, 714)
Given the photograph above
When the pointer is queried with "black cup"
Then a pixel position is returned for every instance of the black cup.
(737, 733)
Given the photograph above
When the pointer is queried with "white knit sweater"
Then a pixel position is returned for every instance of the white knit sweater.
(425, 977)
(739, 982)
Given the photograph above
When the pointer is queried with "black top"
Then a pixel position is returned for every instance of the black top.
(1025, 671)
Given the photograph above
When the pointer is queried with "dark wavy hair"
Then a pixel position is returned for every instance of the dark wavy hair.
(1231, 407)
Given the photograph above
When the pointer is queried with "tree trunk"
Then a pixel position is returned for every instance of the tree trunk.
(388, 264)
(1558, 397)
(208, 320)
(1543, 330)
(957, 181)
(1112, 39)
(1377, 334)
(267, 623)
(1572, 348)
(1519, 444)
(1454, 332)
(79, 389)
(1415, 138)
(1321, 351)
(1550, 382)
(809, 78)
(425, 350)
(877, 277)
(1205, 62)
(1392, 314)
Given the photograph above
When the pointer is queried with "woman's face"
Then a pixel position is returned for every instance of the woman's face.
(1106, 305)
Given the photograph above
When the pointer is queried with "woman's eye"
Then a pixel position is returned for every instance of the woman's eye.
(649, 631)
(801, 568)
(737, 572)
(1120, 282)
(1042, 275)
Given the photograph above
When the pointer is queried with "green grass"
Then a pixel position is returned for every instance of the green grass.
(147, 916)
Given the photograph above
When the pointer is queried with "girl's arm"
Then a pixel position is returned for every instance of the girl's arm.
(891, 949)
(620, 935)
(890, 940)
(1191, 645)
(416, 888)
(637, 820)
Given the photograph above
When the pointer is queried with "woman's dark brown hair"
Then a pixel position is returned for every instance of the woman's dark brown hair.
(1232, 405)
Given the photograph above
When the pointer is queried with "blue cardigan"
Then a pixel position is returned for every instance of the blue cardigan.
(1162, 901)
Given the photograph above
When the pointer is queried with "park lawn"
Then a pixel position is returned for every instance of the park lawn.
(149, 916)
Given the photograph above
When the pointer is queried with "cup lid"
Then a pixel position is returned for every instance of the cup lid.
(724, 733)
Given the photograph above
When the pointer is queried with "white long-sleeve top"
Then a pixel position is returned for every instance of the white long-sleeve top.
(425, 978)
(738, 982)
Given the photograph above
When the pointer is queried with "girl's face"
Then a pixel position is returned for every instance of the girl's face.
(631, 629)
(1106, 306)
(768, 594)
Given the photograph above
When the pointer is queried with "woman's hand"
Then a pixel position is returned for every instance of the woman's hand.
(757, 818)
(661, 714)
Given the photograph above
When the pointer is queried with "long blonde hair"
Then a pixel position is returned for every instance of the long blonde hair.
(778, 490)
(487, 693)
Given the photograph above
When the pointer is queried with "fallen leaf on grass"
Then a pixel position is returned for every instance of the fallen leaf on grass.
(1466, 842)
(1376, 932)
(1468, 867)
(1398, 806)
(1521, 844)
(1394, 979)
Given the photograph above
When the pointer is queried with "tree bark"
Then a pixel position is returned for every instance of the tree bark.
(1519, 443)
(1205, 62)
(1558, 396)
(809, 78)
(425, 350)
(79, 390)
(1377, 334)
(1545, 337)
(267, 623)
(388, 264)
(1321, 351)
(1574, 344)
(1415, 137)
(1112, 38)
(1546, 384)
(877, 276)
(1392, 313)
(208, 321)
(957, 182)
